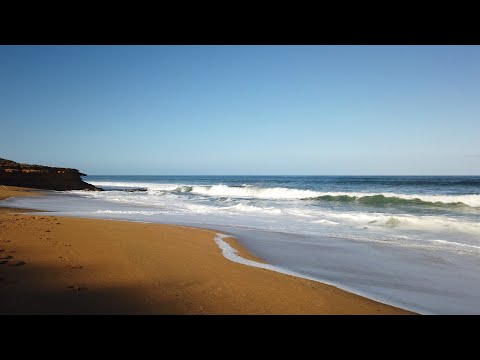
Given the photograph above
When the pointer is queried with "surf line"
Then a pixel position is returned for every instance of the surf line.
(230, 253)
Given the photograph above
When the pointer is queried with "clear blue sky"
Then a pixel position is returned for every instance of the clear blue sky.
(309, 110)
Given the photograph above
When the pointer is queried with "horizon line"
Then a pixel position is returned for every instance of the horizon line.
(297, 175)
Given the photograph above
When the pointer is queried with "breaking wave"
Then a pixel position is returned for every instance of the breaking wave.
(282, 193)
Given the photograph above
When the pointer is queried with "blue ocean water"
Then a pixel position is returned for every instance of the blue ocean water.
(412, 241)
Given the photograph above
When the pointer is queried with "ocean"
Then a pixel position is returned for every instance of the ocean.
(409, 241)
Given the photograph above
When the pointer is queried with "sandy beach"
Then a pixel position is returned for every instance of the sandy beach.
(60, 265)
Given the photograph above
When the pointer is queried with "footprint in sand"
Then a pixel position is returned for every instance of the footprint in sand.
(74, 267)
(6, 251)
(77, 288)
(16, 263)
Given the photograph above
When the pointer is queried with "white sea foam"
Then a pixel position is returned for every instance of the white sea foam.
(129, 212)
(327, 222)
(456, 244)
(406, 221)
(281, 193)
(253, 209)
(300, 214)
(253, 192)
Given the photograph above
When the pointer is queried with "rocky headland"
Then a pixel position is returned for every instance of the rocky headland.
(42, 177)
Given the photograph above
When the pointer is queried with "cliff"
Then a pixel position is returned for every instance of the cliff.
(42, 177)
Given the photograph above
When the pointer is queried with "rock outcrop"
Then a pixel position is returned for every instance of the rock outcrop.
(42, 177)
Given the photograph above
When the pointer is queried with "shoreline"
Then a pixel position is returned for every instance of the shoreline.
(152, 268)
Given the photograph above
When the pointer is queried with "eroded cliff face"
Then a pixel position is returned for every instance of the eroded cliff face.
(42, 177)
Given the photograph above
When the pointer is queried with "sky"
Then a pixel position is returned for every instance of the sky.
(243, 110)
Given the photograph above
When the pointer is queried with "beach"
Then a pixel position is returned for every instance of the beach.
(66, 265)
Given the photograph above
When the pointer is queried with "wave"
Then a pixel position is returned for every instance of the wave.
(250, 208)
(439, 224)
(380, 199)
(252, 192)
(282, 193)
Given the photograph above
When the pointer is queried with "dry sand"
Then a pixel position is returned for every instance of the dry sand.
(60, 265)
